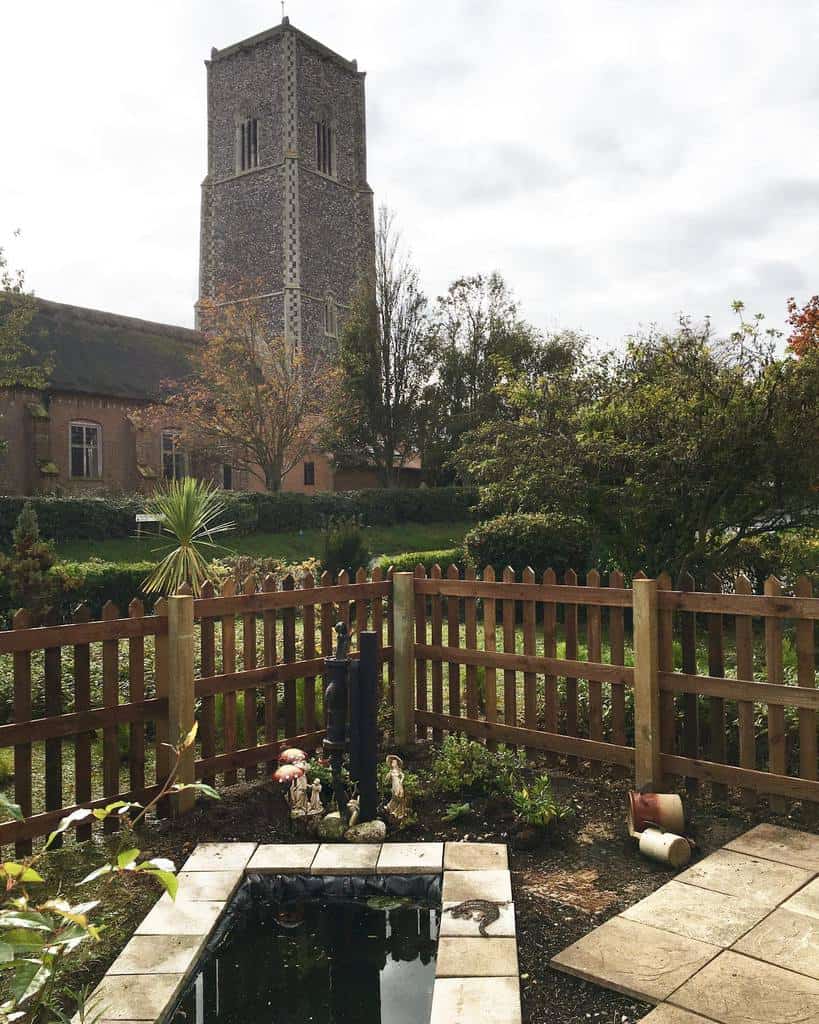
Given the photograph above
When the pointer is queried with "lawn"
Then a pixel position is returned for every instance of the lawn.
(290, 547)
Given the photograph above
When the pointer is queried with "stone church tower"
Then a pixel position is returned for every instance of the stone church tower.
(286, 204)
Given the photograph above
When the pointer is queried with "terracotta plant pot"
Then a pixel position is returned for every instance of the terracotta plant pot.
(663, 811)
(665, 847)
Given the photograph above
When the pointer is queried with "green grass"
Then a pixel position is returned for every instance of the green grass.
(290, 547)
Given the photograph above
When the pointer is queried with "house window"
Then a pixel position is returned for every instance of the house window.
(325, 146)
(174, 458)
(248, 143)
(309, 474)
(85, 450)
(227, 477)
(330, 318)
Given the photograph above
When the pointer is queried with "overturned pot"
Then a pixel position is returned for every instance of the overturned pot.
(665, 847)
(663, 811)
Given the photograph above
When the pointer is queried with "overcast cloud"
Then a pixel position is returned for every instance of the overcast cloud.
(617, 162)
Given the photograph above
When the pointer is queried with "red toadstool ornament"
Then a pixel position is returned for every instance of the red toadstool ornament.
(292, 756)
(288, 773)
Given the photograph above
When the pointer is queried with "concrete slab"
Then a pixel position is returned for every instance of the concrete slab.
(785, 845)
(467, 1000)
(219, 856)
(494, 886)
(667, 1014)
(806, 901)
(751, 878)
(411, 859)
(476, 958)
(199, 886)
(467, 922)
(346, 859)
(158, 954)
(131, 997)
(476, 857)
(785, 939)
(734, 989)
(696, 913)
(283, 859)
(182, 919)
(635, 959)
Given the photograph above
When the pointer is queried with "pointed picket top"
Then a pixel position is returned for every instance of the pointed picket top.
(420, 571)
(378, 574)
(742, 585)
(435, 572)
(269, 583)
(82, 613)
(453, 573)
(508, 574)
(249, 585)
(592, 578)
(185, 590)
(51, 618)
(616, 579)
(489, 574)
(640, 575)
(109, 611)
(307, 581)
(21, 619)
(549, 577)
(207, 589)
(228, 588)
(289, 583)
(803, 586)
(570, 578)
(685, 582)
(136, 608)
(161, 606)
(773, 587)
(469, 572)
(528, 575)
(713, 583)
(390, 572)
(664, 581)
(361, 574)
(326, 578)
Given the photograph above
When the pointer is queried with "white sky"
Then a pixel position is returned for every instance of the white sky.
(617, 161)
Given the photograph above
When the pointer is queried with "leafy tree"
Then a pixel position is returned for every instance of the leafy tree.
(804, 322)
(386, 361)
(20, 364)
(250, 394)
(26, 569)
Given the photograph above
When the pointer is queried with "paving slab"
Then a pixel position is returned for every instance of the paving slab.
(806, 901)
(493, 886)
(460, 957)
(476, 857)
(786, 939)
(199, 886)
(219, 856)
(735, 989)
(785, 845)
(467, 922)
(751, 878)
(158, 954)
(182, 919)
(697, 913)
(346, 859)
(283, 858)
(635, 959)
(667, 1014)
(471, 1000)
(411, 859)
(132, 997)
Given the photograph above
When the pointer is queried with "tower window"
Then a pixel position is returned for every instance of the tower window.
(325, 142)
(85, 444)
(330, 318)
(227, 476)
(248, 143)
(309, 474)
(174, 459)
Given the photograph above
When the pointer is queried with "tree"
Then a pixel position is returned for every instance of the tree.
(26, 569)
(250, 394)
(805, 323)
(20, 364)
(385, 360)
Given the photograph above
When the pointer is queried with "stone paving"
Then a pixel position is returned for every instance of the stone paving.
(477, 962)
(733, 939)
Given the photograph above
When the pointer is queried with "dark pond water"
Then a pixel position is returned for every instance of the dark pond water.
(322, 961)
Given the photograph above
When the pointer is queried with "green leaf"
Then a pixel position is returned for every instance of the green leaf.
(81, 814)
(10, 808)
(6, 952)
(127, 857)
(169, 881)
(97, 873)
(25, 919)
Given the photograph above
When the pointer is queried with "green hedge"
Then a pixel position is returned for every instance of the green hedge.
(103, 518)
(548, 541)
(94, 583)
(409, 559)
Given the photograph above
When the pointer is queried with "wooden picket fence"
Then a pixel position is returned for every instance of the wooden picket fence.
(647, 679)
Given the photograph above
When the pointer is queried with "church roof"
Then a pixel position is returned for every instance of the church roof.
(271, 33)
(94, 352)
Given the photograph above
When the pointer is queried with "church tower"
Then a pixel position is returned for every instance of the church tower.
(286, 206)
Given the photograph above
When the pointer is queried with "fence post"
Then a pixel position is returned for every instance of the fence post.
(647, 743)
(181, 704)
(403, 592)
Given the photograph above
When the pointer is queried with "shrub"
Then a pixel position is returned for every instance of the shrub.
(466, 766)
(536, 805)
(550, 540)
(27, 580)
(407, 561)
(95, 582)
(344, 545)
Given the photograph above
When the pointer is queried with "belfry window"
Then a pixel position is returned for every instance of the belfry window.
(325, 157)
(248, 142)
(330, 317)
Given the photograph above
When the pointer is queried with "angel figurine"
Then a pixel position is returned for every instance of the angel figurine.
(315, 806)
(298, 797)
(397, 806)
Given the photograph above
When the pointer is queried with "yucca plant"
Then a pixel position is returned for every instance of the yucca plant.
(190, 511)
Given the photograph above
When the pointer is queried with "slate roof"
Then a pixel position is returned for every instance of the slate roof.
(101, 353)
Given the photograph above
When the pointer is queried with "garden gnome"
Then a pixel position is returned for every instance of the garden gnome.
(315, 806)
(397, 805)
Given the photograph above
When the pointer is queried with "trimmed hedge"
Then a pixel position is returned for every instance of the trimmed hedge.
(547, 541)
(93, 583)
(409, 559)
(103, 518)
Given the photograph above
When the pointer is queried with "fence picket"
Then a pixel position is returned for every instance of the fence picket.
(344, 606)
(421, 684)
(162, 758)
(529, 647)
(136, 694)
(777, 756)
(249, 662)
(453, 639)
(744, 639)
(551, 704)
(271, 687)
(510, 676)
(594, 648)
(390, 641)
(570, 628)
(309, 645)
(327, 623)
(437, 667)
(110, 734)
(690, 745)
(806, 676)
(82, 702)
(207, 707)
(471, 640)
(665, 657)
(378, 629)
(490, 645)
(717, 745)
(229, 738)
(617, 656)
(289, 655)
(22, 713)
(360, 605)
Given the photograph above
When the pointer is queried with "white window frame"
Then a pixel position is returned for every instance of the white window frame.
(86, 426)
(173, 433)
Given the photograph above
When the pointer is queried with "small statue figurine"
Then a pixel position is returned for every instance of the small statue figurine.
(315, 806)
(298, 797)
(352, 812)
(397, 806)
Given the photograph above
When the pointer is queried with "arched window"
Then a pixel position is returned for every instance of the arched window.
(247, 144)
(85, 450)
(325, 148)
(330, 317)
